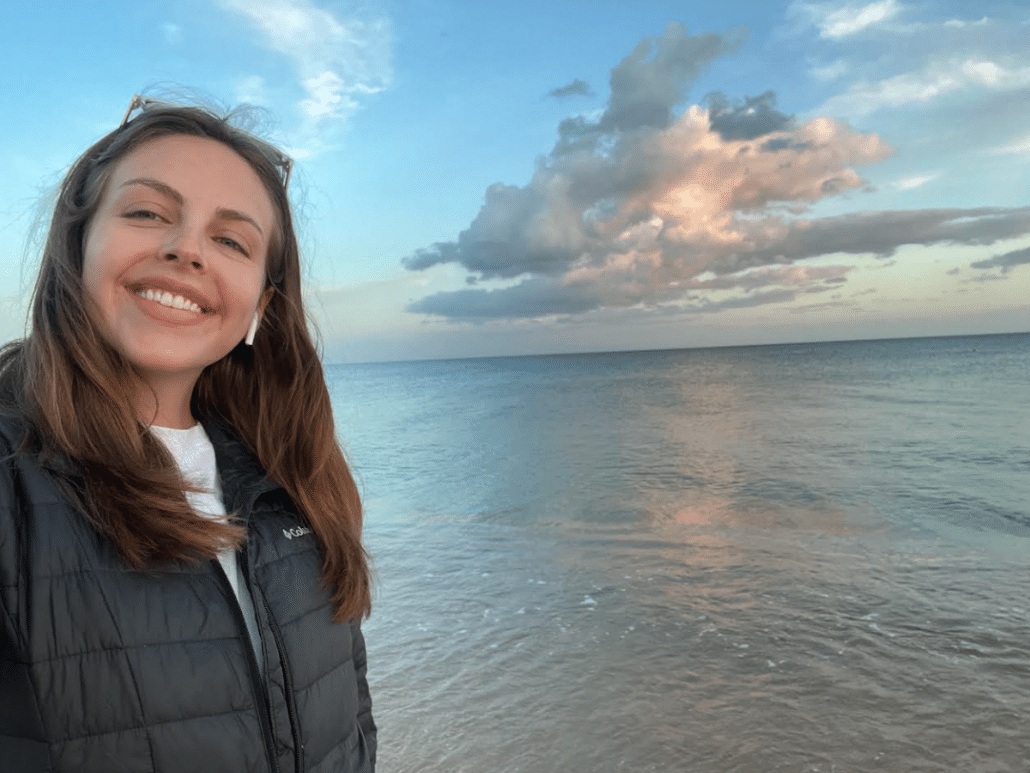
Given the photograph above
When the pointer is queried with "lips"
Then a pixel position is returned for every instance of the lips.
(175, 288)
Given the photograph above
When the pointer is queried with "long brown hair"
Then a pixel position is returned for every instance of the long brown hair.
(78, 393)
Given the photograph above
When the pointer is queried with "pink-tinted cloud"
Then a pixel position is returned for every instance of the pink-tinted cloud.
(644, 207)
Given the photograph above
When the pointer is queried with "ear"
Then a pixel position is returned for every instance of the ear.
(266, 296)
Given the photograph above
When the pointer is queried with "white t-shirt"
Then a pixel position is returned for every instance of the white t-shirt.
(193, 453)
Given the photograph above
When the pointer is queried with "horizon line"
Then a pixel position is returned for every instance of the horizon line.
(674, 349)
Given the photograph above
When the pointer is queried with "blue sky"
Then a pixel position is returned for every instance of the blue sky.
(523, 177)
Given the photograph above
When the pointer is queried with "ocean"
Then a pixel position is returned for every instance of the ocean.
(808, 557)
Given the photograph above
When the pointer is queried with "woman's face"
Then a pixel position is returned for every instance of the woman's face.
(174, 258)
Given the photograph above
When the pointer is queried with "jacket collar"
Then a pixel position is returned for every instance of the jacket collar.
(243, 479)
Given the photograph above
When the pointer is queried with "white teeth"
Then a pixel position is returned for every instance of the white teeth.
(165, 298)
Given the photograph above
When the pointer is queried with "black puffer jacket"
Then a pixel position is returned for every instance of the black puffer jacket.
(105, 670)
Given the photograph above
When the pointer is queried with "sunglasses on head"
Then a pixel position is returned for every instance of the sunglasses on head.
(282, 162)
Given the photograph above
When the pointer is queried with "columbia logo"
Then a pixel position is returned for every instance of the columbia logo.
(296, 531)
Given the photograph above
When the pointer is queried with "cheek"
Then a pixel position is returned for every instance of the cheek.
(252, 285)
(256, 279)
(243, 288)
(92, 268)
(102, 266)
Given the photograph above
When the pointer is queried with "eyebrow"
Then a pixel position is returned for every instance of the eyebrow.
(222, 213)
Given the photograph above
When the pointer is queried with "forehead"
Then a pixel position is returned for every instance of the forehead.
(204, 172)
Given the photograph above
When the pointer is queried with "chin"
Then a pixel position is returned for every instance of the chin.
(175, 357)
(172, 365)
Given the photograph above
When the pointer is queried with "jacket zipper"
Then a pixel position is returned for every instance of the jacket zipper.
(287, 683)
(264, 710)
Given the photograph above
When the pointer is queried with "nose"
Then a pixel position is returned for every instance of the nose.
(184, 246)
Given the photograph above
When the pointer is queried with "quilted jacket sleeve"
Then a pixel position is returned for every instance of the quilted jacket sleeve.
(23, 746)
(365, 721)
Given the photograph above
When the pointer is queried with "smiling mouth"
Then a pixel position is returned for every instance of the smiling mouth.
(170, 300)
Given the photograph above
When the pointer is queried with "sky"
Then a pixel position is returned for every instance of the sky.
(539, 176)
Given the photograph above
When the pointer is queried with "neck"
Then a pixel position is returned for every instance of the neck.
(166, 403)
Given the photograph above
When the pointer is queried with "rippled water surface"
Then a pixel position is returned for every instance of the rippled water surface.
(783, 558)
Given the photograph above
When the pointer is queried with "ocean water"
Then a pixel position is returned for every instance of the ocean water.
(806, 558)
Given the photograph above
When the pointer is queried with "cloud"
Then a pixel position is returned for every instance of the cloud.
(805, 308)
(707, 210)
(535, 297)
(542, 297)
(938, 79)
(338, 60)
(1019, 147)
(751, 118)
(1005, 262)
(679, 189)
(653, 79)
(882, 233)
(850, 19)
(924, 61)
(766, 262)
(841, 22)
(908, 183)
(575, 88)
(963, 23)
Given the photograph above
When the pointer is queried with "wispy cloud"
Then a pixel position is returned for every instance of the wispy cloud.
(935, 80)
(912, 56)
(988, 278)
(916, 181)
(835, 22)
(963, 23)
(851, 19)
(1020, 146)
(338, 60)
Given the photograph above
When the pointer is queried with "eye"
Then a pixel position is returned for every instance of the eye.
(232, 244)
(142, 214)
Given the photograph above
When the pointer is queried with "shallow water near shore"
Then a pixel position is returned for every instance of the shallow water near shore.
(788, 558)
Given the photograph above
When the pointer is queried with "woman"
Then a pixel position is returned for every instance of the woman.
(181, 569)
